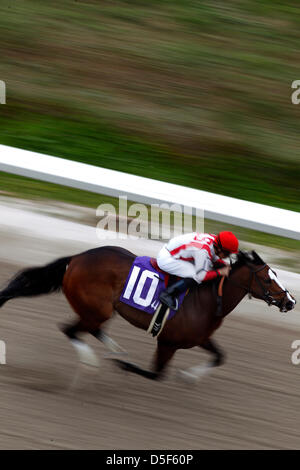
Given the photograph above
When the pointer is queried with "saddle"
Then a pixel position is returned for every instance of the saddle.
(169, 278)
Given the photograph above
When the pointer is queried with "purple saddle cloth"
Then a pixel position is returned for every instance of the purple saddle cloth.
(143, 287)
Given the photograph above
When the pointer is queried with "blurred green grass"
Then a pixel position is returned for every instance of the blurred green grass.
(196, 93)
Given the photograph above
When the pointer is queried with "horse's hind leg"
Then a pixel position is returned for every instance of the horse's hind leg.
(93, 307)
(211, 346)
(85, 353)
(109, 343)
(91, 324)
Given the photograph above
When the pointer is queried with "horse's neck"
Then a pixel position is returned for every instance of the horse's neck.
(233, 293)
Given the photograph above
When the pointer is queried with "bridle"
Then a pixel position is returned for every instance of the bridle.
(267, 296)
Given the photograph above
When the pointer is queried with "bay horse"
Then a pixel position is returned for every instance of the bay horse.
(93, 282)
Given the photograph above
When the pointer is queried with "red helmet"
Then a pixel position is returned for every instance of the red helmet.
(226, 241)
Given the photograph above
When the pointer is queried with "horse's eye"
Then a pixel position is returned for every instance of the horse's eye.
(268, 281)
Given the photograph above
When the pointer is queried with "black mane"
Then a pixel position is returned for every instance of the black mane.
(245, 257)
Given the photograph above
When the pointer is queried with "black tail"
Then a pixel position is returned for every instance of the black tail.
(36, 281)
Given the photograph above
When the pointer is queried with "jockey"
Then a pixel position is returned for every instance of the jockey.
(193, 256)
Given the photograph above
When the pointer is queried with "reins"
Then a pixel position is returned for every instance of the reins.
(267, 296)
(219, 312)
(220, 288)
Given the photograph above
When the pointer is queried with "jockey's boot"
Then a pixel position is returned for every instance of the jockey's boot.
(170, 295)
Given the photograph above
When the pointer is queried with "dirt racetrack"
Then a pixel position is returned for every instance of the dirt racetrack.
(252, 402)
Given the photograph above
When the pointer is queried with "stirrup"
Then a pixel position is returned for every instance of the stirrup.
(168, 300)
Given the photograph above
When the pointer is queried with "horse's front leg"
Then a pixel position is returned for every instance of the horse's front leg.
(162, 357)
(193, 374)
(211, 346)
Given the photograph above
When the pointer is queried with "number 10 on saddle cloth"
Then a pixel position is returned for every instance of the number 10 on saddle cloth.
(143, 287)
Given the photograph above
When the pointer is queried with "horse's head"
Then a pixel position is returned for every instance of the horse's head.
(261, 282)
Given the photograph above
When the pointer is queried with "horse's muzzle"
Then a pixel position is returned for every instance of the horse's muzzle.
(288, 305)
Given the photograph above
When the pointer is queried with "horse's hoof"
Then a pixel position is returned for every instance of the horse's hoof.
(124, 365)
(194, 374)
(219, 361)
(187, 377)
(130, 367)
(85, 353)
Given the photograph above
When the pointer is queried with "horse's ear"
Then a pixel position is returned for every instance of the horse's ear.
(244, 254)
(257, 259)
(244, 257)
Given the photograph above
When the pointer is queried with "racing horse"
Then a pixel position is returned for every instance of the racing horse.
(93, 282)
